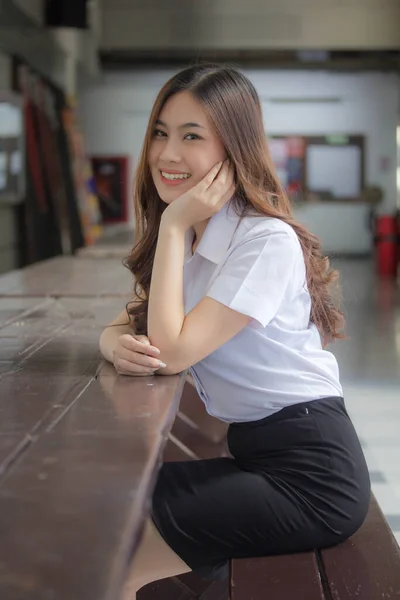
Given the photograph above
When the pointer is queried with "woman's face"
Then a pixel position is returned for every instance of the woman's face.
(184, 147)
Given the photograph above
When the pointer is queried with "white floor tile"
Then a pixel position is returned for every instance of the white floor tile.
(386, 498)
(396, 490)
(397, 536)
(393, 479)
(378, 432)
(371, 460)
(387, 459)
(370, 370)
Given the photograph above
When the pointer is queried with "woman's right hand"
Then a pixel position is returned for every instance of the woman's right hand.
(135, 356)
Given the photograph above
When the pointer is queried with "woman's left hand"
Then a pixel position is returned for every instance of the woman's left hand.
(204, 199)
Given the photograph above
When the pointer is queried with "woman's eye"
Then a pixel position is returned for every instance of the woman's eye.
(162, 134)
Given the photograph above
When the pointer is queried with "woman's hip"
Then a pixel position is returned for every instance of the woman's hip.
(318, 428)
(313, 449)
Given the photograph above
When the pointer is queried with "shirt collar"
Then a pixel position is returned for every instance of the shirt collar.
(217, 236)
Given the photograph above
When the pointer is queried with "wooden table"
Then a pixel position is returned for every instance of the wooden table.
(80, 446)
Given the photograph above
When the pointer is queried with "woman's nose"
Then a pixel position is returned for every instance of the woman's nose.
(171, 151)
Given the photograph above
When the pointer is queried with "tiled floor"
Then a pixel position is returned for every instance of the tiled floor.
(370, 368)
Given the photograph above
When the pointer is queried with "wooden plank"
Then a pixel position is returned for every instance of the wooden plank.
(196, 440)
(71, 508)
(53, 355)
(367, 565)
(184, 587)
(205, 590)
(175, 450)
(195, 434)
(164, 589)
(30, 402)
(67, 276)
(193, 411)
(26, 336)
(66, 329)
(13, 309)
(278, 577)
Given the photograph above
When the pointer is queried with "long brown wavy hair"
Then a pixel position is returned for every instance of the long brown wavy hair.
(233, 107)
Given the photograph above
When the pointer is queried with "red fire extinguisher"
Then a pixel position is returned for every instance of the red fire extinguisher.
(398, 238)
(386, 245)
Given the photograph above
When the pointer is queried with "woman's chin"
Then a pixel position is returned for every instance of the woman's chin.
(169, 194)
(168, 197)
(165, 199)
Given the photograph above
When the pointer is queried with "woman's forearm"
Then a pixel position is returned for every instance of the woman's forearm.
(166, 312)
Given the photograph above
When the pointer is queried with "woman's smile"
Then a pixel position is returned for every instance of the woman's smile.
(173, 178)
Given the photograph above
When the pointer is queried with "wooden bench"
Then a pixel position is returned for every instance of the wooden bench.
(366, 567)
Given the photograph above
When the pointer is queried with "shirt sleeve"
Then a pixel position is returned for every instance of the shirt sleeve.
(256, 275)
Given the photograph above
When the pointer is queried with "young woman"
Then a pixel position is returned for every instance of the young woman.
(229, 285)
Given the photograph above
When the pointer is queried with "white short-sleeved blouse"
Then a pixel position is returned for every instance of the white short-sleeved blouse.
(255, 266)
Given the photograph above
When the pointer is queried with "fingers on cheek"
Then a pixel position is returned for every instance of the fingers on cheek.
(210, 177)
(222, 181)
(223, 174)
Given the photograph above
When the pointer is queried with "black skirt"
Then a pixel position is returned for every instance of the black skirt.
(297, 481)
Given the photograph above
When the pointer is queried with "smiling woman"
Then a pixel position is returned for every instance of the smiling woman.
(184, 146)
(229, 285)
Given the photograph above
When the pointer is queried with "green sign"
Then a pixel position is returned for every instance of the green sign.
(337, 139)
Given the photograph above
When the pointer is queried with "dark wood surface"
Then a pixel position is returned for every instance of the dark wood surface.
(80, 446)
(367, 566)
(295, 576)
(186, 587)
(69, 276)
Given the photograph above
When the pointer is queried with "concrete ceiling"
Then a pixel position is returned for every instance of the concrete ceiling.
(333, 34)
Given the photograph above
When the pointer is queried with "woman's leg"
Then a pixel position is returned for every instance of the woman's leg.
(153, 560)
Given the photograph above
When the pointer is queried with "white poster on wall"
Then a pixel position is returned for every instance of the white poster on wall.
(334, 169)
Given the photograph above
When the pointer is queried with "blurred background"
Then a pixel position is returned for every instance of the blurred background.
(78, 79)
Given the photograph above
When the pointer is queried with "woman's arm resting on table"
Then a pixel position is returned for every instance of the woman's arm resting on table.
(250, 286)
(183, 341)
(207, 327)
